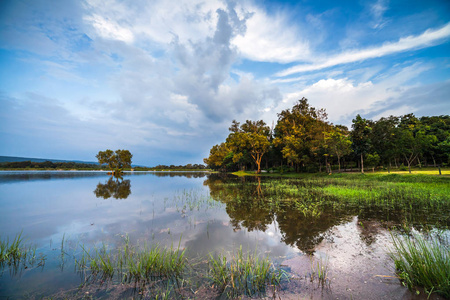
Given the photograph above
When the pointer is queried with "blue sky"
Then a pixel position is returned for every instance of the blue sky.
(165, 79)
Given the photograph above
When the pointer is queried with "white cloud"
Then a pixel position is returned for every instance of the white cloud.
(109, 29)
(190, 21)
(158, 21)
(343, 98)
(377, 10)
(271, 38)
(428, 38)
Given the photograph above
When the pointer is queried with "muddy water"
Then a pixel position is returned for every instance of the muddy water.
(204, 213)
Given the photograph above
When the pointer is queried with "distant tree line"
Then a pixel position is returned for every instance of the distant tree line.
(49, 165)
(303, 140)
(179, 167)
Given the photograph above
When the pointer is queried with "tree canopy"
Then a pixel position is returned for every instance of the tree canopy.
(116, 161)
(304, 140)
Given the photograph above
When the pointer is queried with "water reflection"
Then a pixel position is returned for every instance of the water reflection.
(306, 214)
(180, 174)
(114, 187)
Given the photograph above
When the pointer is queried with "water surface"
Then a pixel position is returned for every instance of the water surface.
(203, 213)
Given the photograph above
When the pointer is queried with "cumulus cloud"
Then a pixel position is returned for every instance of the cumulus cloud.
(270, 38)
(343, 98)
(186, 98)
(426, 39)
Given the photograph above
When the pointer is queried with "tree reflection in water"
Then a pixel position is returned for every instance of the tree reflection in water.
(305, 213)
(114, 187)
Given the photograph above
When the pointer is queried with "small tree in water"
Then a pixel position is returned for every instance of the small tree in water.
(116, 161)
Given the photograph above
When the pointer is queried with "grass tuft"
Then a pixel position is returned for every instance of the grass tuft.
(17, 255)
(132, 264)
(422, 262)
(243, 274)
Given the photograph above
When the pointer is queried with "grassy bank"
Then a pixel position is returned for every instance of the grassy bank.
(415, 171)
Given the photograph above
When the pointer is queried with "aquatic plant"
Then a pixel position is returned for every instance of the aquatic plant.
(243, 274)
(319, 271)
(132, 263)
(422, 262)
(17, 255)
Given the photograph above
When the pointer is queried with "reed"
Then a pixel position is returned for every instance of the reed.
(319, 271)
(243, 274)
(17, 256)
(422, 262)
(132, 264)
(16, 252)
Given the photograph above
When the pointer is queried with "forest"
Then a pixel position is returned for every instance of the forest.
(303, 140)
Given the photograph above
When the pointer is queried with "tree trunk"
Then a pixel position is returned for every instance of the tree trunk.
(258, 163)
(339, 163)
(362, 164)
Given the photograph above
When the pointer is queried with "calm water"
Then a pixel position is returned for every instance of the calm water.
(196, 210)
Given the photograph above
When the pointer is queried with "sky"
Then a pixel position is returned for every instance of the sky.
(164, 79)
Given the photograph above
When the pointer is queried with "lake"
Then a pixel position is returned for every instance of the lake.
(65, 214)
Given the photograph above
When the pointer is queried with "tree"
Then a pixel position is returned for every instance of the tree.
(339, 143)
(372, 160)
(360, 136)
(218, 156)
(300, 132)
(252, 138)
(413, 138)
(439, 126)
(384, 138)
(116, 161)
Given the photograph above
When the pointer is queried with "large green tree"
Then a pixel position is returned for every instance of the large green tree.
(339, 143)
(360, 136)
(218, 156)
(116, 161)
(300, 132)
(413, 138)
(250, 138)
(384, 139)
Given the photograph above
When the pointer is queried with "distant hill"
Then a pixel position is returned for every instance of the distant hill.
(18, 159)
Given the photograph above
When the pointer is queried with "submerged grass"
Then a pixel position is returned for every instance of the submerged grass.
(132, 264)
(422, 262)
(319, 271)
(18, 256)
(15, 252)
(243, 274)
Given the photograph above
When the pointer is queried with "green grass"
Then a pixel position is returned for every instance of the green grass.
(319, 271)
(15, 252)
(132, 264)
(17, 255)
(243, 274)
(433, 172)
(422, 262)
